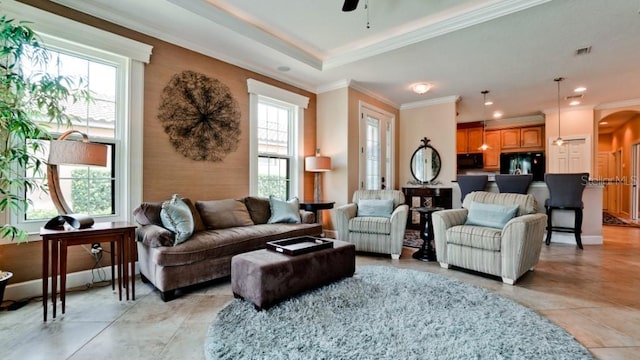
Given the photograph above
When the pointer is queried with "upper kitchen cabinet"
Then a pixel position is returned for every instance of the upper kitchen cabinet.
(469, 140)
(522, 139)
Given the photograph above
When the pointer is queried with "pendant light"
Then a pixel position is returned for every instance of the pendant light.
(558, 141)
(484, 145)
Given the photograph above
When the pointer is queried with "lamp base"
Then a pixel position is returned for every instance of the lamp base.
(317, 189)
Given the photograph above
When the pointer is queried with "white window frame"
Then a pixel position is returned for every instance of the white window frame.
(257, 89)
(62, 33)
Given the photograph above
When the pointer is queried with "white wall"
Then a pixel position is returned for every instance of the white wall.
(437, 122)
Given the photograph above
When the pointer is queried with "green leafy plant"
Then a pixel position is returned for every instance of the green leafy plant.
(29, 101)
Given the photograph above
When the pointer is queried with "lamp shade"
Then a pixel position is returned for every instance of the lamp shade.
(69, 152)
(317, 163)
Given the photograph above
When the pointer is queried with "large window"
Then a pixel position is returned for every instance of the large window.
(112, 68)
(275, 149)
(276, 141)
(88, 190)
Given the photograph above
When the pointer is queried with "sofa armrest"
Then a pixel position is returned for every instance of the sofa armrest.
(343, 214)
(154, 236)
(307, 217)
(442, 221)
(521, 244)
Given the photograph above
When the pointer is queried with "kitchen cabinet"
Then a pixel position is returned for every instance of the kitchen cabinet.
(468, 140)
(531, 137)
(492, 154)
(510, 138)
(522, 139)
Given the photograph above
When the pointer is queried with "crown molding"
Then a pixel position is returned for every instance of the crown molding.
(356, 86)
(618, 104)
(437, 101)
(340, 84)
(481, 13)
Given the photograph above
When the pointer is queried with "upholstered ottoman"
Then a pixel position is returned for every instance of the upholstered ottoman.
(265, 277)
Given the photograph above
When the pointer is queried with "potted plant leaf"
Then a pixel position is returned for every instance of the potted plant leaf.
(29, 102)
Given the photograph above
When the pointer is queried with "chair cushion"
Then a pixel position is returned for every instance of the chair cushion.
(478, 237)
(375, 208)
(370, 225)
(526, 203)
(491, 215)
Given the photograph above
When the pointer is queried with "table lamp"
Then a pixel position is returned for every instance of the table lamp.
(317, 164)
(71, 152)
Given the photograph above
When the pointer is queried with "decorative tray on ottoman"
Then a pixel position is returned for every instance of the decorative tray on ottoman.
(299, 245)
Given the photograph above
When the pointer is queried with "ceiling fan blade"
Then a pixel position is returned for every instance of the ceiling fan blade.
(350, 5)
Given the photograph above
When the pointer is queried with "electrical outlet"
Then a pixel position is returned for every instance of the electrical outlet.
(96, 248)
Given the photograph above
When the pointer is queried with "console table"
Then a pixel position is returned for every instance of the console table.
(120, 235)
(425, 197)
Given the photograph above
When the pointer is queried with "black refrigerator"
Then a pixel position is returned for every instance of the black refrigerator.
(523, 163)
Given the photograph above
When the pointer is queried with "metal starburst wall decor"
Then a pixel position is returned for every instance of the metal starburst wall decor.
(201, 116)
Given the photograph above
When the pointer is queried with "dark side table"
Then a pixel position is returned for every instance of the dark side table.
(314, 206)
(427, 252)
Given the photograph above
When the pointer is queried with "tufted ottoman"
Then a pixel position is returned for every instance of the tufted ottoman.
(265, 277)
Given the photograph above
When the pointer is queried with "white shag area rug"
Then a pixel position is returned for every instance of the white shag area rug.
(388, 313)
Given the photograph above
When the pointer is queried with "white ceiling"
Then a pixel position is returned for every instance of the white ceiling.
(514, 48)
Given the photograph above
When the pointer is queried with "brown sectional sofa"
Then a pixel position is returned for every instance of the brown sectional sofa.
(223, 228)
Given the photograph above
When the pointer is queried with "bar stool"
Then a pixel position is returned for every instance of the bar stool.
(516, 184)
(470, 183)
(565, 193)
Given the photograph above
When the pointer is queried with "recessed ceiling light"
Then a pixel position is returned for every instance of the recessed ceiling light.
(497, 114)
(283, 68)
(604, 123)
(574, 103)
(580, 89)
(421, 88)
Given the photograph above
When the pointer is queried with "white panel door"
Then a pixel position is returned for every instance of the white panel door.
(376, 149)
(572, 157)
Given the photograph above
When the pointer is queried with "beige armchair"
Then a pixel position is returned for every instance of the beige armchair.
(369, 226)
(508, 252)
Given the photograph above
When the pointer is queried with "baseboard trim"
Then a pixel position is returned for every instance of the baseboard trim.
(33, 288)
(567, 238)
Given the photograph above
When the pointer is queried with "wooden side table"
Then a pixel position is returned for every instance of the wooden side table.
(427, 252)
(120, 235)
(315, 206)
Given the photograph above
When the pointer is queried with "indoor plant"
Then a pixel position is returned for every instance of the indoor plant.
(28, 99)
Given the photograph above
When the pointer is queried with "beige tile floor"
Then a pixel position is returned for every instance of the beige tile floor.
(593, 294)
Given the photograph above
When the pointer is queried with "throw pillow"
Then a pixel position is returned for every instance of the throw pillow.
(490, 215)
(284, 211)
(259, 209)
(375, 208)
(223, 214)
(176, 217)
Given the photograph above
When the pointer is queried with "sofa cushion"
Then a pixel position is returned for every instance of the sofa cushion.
(259, 209)
(284, 211)
(478, 237)
(222, 214)
(148, 213)
(375, 207)
(491, 215)
(176, 216)
(370, 225)
(219, 243)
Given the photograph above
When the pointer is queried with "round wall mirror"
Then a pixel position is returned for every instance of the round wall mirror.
(425, 162)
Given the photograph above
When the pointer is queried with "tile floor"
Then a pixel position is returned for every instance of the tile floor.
(593, 294)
